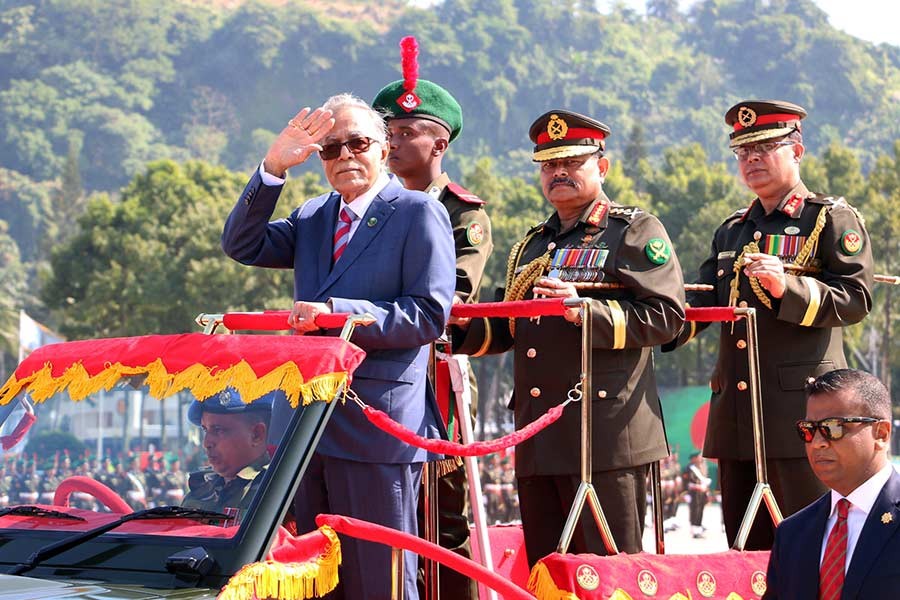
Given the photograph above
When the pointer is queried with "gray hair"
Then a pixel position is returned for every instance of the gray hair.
(346, 100)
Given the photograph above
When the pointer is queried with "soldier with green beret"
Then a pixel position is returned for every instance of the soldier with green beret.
(621, 258)
(801, 259)
(423, 119)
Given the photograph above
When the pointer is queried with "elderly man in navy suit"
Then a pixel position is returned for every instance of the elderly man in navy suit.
(370, 246)
(845, 544)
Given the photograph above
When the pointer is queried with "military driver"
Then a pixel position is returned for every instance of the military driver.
(234, 438)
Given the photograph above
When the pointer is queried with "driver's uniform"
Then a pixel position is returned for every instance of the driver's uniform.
(209, 491)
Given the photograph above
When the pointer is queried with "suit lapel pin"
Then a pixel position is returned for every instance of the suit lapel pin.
(372, 222)
(887, 518)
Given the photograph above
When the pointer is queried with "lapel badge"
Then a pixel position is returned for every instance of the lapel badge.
(556, 128)
(746, 116)
(887, 518)
(792, 230)
(372, 222)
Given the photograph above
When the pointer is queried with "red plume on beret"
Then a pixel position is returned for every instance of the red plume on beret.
(409, 52)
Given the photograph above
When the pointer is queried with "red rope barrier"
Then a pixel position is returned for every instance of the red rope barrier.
(371, 532)
(276, 320)
(545, 307)
(383, 422)
(710, 314)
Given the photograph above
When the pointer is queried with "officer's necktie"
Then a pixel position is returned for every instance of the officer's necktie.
(831, 573)
(341, 234)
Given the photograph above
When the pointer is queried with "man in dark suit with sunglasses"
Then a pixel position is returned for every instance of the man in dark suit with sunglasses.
(370, 246)
(846, 544)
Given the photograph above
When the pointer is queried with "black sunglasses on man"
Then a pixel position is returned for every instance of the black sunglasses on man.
(831, 428)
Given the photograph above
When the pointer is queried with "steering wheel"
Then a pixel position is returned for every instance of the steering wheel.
(80, 483)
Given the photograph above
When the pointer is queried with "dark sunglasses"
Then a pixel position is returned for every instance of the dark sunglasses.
(356, 145)
(831, 428)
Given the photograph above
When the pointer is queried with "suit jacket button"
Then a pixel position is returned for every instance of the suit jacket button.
(248, 198)
(601, 394)
(741, 344)
(720, 272)
(535, 392)
(742, 385)
(531, 353)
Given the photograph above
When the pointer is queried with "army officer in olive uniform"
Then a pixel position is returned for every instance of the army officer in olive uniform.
(234, 437)
(804, 262)
(622, 258)
(421, 127)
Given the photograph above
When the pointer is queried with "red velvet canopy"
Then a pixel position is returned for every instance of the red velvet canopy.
(311, 368)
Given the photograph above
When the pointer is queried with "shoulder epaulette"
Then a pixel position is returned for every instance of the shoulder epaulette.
(738, 214)
(464, 194)
(841, 202)
(822, 199)
(627, 213)
(537, 227)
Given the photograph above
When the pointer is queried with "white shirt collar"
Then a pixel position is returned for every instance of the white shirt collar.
(360, 205)
(865, 495)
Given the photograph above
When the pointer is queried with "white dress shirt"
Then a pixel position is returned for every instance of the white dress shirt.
(861, 500)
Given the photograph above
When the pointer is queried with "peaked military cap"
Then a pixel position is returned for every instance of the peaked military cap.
(758, 120)
(562, 133)
(414, 98)
(227, 402)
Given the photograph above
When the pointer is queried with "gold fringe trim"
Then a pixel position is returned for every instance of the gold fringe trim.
(202, 381)
(446, 465)
(291, 581)
(541, 584)
(620, 594)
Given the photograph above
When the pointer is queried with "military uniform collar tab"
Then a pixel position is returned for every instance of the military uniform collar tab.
(441, 182)
(749, 209)
(597, 212)
(792, 204)
(253, 469)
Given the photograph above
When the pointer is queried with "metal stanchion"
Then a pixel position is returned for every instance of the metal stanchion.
(762, 490)
(656, 493)
(431, 533)
(397, 572)
(586, 492)
(459, 378)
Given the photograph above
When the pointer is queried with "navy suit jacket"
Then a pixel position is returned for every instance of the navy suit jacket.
(400, 266)
(874, 571)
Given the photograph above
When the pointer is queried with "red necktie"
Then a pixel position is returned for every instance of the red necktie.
(831, 573)
(341, 235)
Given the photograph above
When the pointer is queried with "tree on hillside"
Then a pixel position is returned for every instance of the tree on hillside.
(152, 261)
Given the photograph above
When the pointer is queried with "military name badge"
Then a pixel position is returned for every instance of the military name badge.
(851, 242)
(658, 251)
(587, 577)
(475, 233)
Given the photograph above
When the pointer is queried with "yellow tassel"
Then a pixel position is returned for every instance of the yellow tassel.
(679, 596)
(293, 581)
(620, 594)
(734, 596)
(541, 584)
(202, 381)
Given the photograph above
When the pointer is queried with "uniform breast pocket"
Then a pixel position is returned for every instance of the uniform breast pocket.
(724, 268)
(792, 377)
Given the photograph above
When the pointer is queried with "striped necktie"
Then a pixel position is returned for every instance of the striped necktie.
(341, 234)
(831, 573)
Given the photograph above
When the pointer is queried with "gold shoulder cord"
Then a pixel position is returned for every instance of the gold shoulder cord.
(518, 285)
(804, 257)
